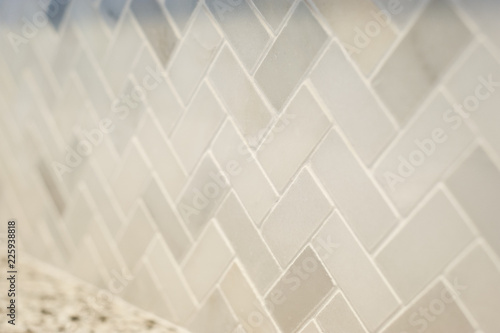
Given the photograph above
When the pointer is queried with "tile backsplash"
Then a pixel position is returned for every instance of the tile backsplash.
(261, 166)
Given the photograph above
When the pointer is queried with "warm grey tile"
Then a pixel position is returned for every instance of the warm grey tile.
(288, 60)
(214, 316)
(273, 11)
(408, 75)
(111, 10)
(181, 10)
(303, 287)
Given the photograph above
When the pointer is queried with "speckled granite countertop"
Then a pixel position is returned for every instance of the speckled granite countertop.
(50, 301)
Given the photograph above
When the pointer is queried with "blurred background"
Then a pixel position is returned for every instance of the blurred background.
(251, 165)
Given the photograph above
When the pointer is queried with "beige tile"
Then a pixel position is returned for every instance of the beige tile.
(312, 327)
(172, 283)
(300, 211)
(366, 125)
(197, 128)
(356, 275)
(302, 125)
(338, 316)
(476, 185)
(288, 60)
(248, 244)
(476, 280)
(421, 155)
(136, 237)
(239, 94)
(207, 261)
(245, 303)
(214, 316)
(434, 312)
(364, 34)
(303, 287)
(424, 247)
(273, 11)
(411, 71)
(348, 185)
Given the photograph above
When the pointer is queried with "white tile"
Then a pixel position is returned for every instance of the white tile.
(214, 316)
(196, 52)
(299, 212)
(352, 191)
(249, 246)
(476, 281)
(352, 105)
(356, 275)
(288, 60)
(338, 316)
(424, 247)
(476, 185)
(421, 155)
(239, 94)
(197, 128)
(301, 126)
(206, 263)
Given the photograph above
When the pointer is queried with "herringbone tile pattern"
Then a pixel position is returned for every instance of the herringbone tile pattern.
(262, 166)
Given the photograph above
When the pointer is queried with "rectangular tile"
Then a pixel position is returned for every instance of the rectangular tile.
(356, 275)
(210, 257)
(421, 155)
(243, 172)
(214, 316)
(287, 61)
(407, 77)
(434, 312)
(363, 30)
(195, 52)
(198, 127)
(273, 11)
(249, 246)
(202, 195)
(248, 39)
(137, 236)
(352, 105)
(251, 314)
(155, 26)
(239, 94)
(349, 186)
(476, 281)
(303, 287)
(168, 222)
(172, 281)
(476, 185)
(445, 234)
(296, 216)
(181, 10)
(475, 87)
(338, 316)
(302, 125)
